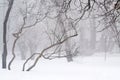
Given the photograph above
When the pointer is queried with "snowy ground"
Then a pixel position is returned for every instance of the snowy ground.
(83, 68)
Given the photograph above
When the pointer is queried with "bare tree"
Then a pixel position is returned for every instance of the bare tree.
(23, 48)
(33, 44)
(64, 33)
(110, 17)
(42, 52)
(68, 14)
(92, 32)
(27, 14)
(4, 55)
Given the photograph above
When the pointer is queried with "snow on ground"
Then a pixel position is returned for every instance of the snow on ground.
(82, 68)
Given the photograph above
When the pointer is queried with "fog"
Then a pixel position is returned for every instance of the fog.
(63, 31)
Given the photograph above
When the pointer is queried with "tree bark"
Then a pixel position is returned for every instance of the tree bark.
(4, 55)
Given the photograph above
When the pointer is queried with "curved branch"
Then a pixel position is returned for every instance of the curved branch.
(49, 47)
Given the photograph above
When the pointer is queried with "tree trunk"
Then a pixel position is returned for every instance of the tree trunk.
(4, 55)
(23, 55)
(93, 33)
(68, 51)
(63, 30)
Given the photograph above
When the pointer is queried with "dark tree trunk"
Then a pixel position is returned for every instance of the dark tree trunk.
(4, 55)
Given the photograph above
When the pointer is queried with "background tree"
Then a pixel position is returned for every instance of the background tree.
(22, 45)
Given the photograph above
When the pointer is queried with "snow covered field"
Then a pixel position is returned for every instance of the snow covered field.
(82, 68)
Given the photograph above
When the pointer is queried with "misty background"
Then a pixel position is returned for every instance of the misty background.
(36, 24)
